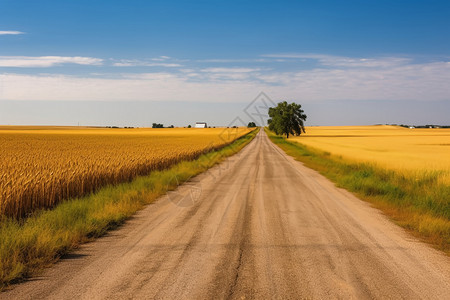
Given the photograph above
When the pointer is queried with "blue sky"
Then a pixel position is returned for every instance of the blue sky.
(225, 52)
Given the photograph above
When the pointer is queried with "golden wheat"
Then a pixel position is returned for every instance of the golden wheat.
(408, 151)
(40, 166)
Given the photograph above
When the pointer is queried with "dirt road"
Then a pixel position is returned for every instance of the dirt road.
(260, 225)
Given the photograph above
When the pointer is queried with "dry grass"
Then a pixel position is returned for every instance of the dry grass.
(40, 166)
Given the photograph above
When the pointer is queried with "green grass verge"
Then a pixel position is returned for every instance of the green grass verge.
(417, 202)
(28, 245)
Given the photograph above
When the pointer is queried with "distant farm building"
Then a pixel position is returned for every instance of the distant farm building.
(201, 125)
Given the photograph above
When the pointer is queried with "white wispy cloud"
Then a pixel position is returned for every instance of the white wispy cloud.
(149, 76)
(140, 63)
(220, 60)
(161, 58)
(10, 32)
(187, 70)
(46, 61)
(342, 61)
(157, 86)
(218, 74)
(424, 82)
(230, 70)
(329, 78)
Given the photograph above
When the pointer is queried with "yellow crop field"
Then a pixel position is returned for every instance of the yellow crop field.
(404, 172)
(391, 147)
(40, 166)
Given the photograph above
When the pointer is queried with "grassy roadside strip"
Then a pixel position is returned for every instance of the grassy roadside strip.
(418, 202)
(29, 245)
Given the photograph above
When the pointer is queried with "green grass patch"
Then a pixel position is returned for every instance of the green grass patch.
(28, 245)
(417, 201)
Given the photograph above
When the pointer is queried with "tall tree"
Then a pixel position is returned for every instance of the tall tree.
(287, 119)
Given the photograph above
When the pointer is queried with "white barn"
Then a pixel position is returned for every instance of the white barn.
(201, 125)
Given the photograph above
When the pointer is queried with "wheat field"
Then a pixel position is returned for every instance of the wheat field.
(40, 166)
(410, 151)
(403, 172)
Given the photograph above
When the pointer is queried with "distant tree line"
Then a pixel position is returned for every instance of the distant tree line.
(422, 126)
(159, 125)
